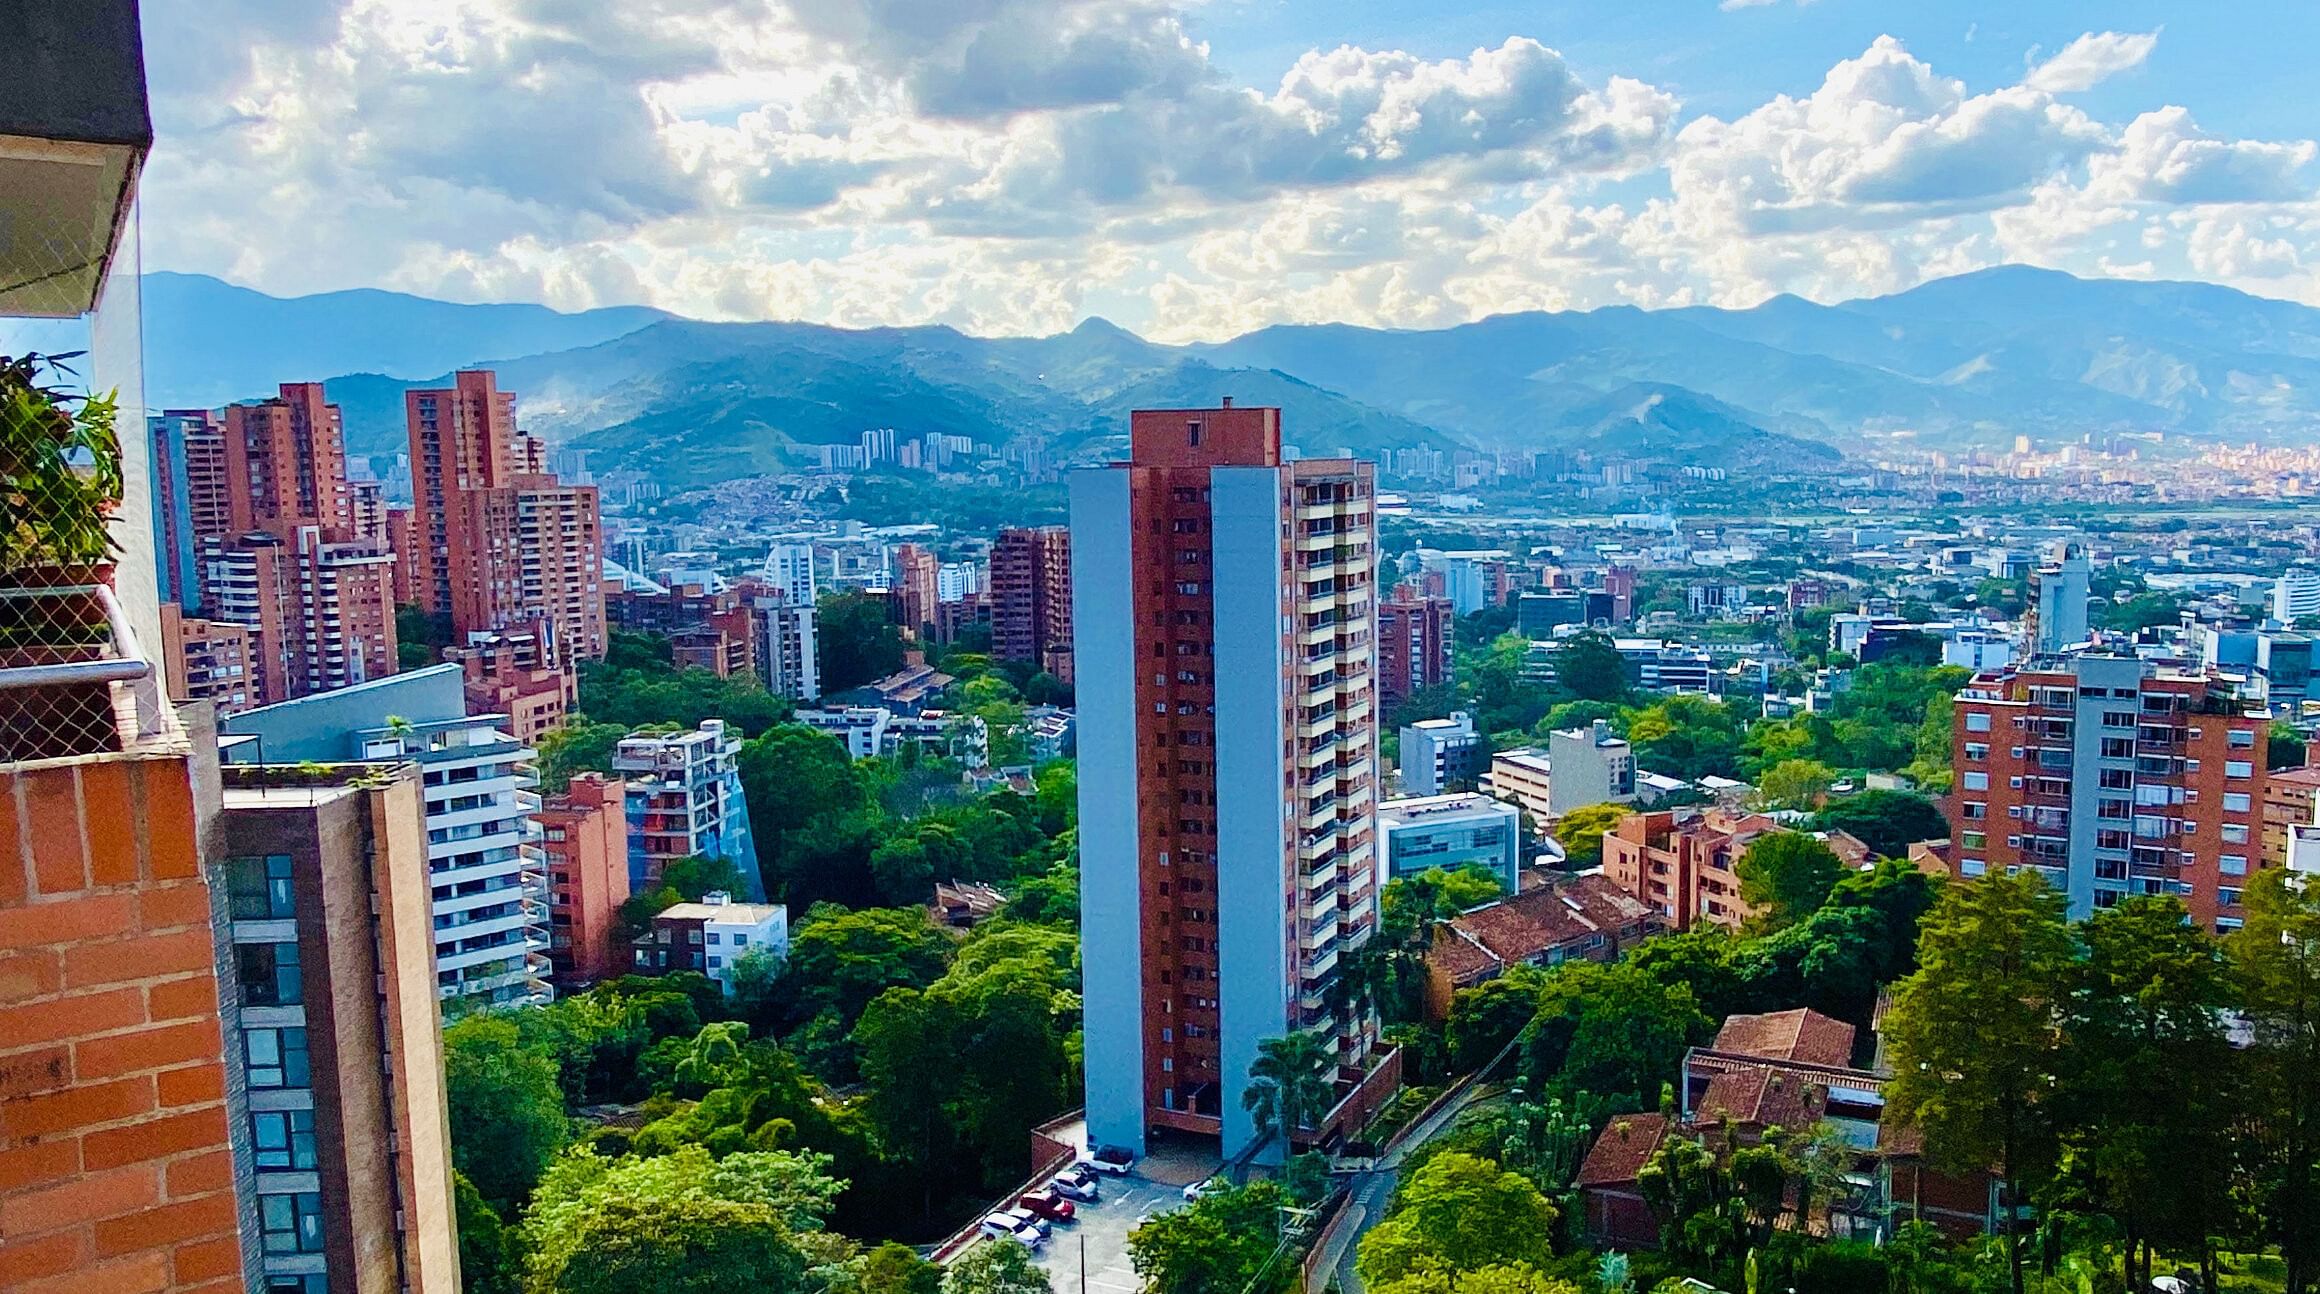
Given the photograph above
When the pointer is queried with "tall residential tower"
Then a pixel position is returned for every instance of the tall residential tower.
(1213, 579)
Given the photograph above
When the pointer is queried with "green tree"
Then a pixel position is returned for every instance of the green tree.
(1609, 1030)
(578, 747)
(995, 1267)
(1581, 832)
(2283, 746)
(1516, 1278)
(1485, 1018)
(891, 1268)
(1228, 1241)
(488, 1260)
(1888, 822)
(1288, 1085)
(1590, 667)
(2275, 966)
(1458, 1213)
(841, 960)
(685, 1244)
(1686, 736)
(1972, 1034)
(1786, 876)
(1795, 784)
(855, 640)
(507, 1107)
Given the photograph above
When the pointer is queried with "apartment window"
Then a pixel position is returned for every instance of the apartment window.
(275, 1057)
(1977, 721)
(715, 938)
(2227, 898)
(1975, 781)
(269, 974)
(2233, 864)
(283, 1138)
(297, 1283)
(1977, 751)
(292, 1224)
(2118, 748)
(258, 888)
(1975, 810)
(2235, 833)
(741, 941)
(2115, 779)
(2235, 802)
(1973, 840)
(2238, 768)
(2241, 739)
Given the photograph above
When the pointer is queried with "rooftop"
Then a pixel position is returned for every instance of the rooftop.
(1801, 1034)
(1627, 1144)
(724, 913)
(1762, 1097)
(1460, 804)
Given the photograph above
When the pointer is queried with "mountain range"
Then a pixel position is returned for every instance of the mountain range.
(1973, 360)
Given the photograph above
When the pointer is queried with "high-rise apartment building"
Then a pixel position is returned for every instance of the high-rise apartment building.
(1414, 643)
(914, 591)
(782, 638)
(336, 1086)
(1031, 597)
(1225, 624)
(584, 838)
(502, 541)
(516, 674)
(789, 568)
(271, 516)
(2063, 587)
(490, 889)
(2111, 778)
(2296, 596)
(207, 660)
(189, 498)
(684, 800)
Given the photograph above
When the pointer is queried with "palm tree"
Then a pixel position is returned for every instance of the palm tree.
(1288, 1084)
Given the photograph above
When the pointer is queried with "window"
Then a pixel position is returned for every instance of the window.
(275, 1057)
(2227, 898)
(1972, 840)
(259, 888)
(292, 1223)
(2235, 833)
(2233, 864)
(2238, 768)
(283, 1138)
(715, 938)
(1975, 810)
(1977, 721)
(740, 941)
(1975, 781)
(269, 974)
(2241, 739)
(716, 962)
(297, 1283)
(2235, 802)
(1977, 750)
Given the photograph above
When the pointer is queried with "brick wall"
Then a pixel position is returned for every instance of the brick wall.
(114, 1168)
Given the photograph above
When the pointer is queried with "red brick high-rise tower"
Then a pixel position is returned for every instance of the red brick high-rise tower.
(1031, 597)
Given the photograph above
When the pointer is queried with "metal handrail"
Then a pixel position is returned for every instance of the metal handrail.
(129, 664)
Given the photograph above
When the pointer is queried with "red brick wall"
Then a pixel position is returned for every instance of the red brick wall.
(114, 1167)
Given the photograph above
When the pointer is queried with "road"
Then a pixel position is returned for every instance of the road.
(1372, 1190)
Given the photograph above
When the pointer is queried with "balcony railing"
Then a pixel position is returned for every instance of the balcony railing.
(74, 679)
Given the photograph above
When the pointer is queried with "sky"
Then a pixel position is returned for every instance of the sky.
(1193, 169)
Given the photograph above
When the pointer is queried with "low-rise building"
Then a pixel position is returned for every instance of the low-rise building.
(711, 937)
(1585, 918)
(2291, 800)
(1437, 754)
(1450, 831)
(1683, 864)
(584, 839)
(1590, 766)
(868, 730)
(1521, 776)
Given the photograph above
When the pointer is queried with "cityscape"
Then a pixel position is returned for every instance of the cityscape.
(1782, 757)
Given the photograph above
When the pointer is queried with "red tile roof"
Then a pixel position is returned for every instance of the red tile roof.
(1801, 1034)
(1627, 1143)
(1762, 1098)
(1529, 925)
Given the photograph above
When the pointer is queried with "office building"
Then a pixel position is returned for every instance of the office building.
(502, 541)
(1683, 863)
(1520, 776)
(1449, 832)
(1591, 766)
(1415, 638)
(584, 842)
(1539, 612)
(206, 660)
(2063, 589)
(1439, 754)
(1031, 598)
(1227, 756)
(2296, 596)
(490, 893)
(2111, 778)
(337, 1086)
(711, 937)
(684, 801)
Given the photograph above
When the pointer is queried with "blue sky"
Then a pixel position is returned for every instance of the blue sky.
(1195, 168)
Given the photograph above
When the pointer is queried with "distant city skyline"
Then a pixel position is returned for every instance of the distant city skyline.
(1196, 170)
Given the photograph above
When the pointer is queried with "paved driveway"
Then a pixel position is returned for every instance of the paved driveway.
(1091, 1252)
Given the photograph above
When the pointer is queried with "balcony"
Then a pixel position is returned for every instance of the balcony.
(76, 129)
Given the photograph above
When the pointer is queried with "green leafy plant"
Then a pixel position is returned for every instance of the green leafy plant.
(60, 468)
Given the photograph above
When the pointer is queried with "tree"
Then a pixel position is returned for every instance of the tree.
(695, 876)
(488, 1263)
(1888, 822)
(1612, 1031)
(893, 1268)
(507, 1109)
(2283, 746)
(1517, 1278)
(1288, 1085)
(2275, 967)
(1795, 784)
(686, 1244)
(995, 1267)
(1972, 1033)
(1458, 1213)
(578, 747)
(855, 641)
(1228, 1241)
(1485, 1018)
(1581, 832)
(1590, 666)
(1786, 876)
(841, 960)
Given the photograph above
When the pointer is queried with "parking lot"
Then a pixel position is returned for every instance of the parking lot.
(1090, 1253)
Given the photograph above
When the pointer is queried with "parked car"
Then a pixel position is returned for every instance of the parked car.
(1007, 1226)
(1077, 1183)
(1026, 1218)
(1116, 1160)
(1205, 1187)
(1048, 1203)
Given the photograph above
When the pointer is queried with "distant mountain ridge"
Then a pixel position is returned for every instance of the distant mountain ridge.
(1971, 360)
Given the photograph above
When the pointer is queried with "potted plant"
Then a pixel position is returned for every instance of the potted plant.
(60, 483)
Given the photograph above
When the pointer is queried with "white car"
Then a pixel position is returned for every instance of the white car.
(1027, 1220)
(1005, 1226)
(1077, 1184)
(1206, 1187)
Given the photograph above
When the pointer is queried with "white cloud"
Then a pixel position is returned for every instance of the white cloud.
(2090, 60)
(997, 164)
